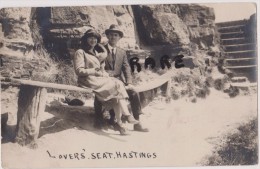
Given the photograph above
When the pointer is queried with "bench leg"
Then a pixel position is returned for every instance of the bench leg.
(31, 103)
(168, 91)
(166, 88)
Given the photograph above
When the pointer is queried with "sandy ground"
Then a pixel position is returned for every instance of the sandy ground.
(181, 134)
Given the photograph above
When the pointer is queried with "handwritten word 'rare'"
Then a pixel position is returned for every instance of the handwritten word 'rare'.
(164, 61)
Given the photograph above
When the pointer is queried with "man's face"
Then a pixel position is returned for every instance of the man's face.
(113, 38)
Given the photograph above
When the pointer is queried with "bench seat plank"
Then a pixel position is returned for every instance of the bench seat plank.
(17, 82)
(155, 83)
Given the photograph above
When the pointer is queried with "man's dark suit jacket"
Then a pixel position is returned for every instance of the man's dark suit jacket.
(121, 69)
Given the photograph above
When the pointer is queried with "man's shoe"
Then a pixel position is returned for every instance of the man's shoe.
(139, 127)
(131, 120)
(124, 119)
(141, 112)
(106, 125)
(97, 125)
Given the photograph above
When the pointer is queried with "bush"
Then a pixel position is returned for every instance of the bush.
(192, 84)
(202, 92)
(240, 148)
(181, 78)
(219, 84)
(58, 72)
(66, 73)
(144, 77)
(175, 94)
(233, 92)
(209, 81)
(193, 99)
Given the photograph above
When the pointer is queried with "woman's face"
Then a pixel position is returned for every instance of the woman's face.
(92, 41)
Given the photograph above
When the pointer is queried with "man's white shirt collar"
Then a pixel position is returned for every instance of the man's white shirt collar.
(110, 48)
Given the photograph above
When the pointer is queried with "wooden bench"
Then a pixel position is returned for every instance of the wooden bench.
(32, 101)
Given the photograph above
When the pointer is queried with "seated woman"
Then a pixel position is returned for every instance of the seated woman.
(88, 65)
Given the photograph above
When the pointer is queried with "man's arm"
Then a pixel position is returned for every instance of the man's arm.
(126, 69)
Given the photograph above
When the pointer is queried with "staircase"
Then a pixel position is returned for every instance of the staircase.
(240, 52)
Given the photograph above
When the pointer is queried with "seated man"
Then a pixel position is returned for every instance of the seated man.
(117, 66)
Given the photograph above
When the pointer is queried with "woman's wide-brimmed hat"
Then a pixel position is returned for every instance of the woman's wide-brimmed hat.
(114, 28)
(91, 33)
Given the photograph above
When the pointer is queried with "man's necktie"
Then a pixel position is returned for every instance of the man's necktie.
(113, 58)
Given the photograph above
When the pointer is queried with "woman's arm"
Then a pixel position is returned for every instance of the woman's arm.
(101, 52)
(102, 69)
(79, 65)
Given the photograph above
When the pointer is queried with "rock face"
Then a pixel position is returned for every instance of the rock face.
(176, 25)
(76, 20)
(200, 22)
(22, 68)
(250, 29)
(159, 27)
(16, 39)
(168, 28)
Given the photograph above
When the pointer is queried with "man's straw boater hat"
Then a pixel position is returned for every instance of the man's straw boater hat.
(114, 28)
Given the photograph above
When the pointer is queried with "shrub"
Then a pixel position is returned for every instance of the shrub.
(233, 91)
(144, 77)
(240, 148)
(193, 99)
(202, 92)
(181, 78)
(209, 81)
(66, 73)
(191, 83)
(219, 84)
(175, 94)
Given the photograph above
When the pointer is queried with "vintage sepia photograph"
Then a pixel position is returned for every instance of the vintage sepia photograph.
(129, 85)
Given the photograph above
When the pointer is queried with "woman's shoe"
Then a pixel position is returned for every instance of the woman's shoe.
(131, 120)
(121, 129)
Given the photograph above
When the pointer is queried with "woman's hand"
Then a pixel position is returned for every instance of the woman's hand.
(98, 73)
(101, 73)
(105, 74)
(110, 73)
(130, 87)
(101, 52)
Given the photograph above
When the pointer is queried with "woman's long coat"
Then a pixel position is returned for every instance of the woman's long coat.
(105, 88)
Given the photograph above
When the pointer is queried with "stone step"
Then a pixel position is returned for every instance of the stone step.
(244, 85)
(240, 51)
(251, 79)
(238, 79)
(239, 47)
(231, 35)
(231, 23)
(240, 62)
(248, 71)
(236, 28)
(231, 32)
(240, 67)
(241, 54)
(239, 59)
(233, 41)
